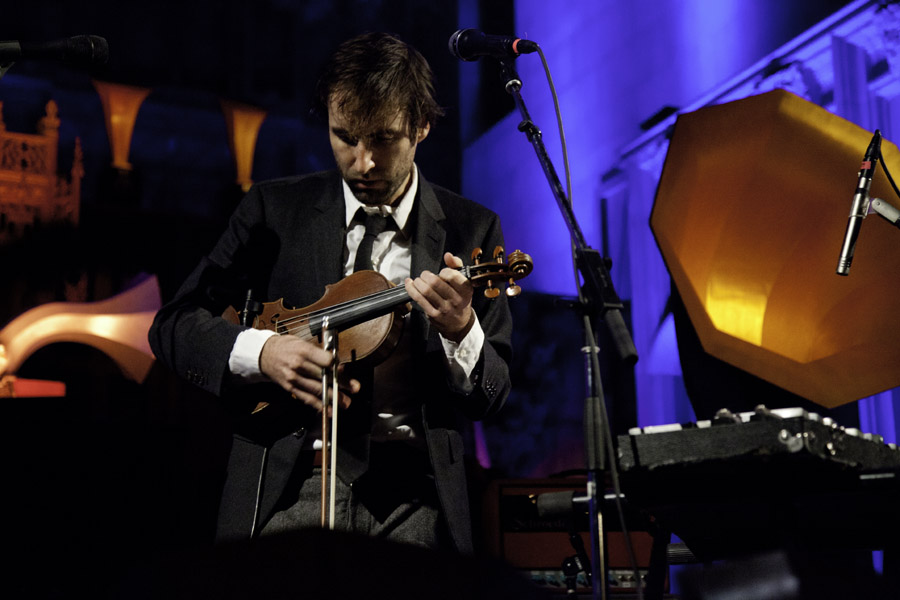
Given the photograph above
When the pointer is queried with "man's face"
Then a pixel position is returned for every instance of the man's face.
(376, 164)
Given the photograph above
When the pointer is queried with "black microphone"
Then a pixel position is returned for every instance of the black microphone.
(81, 50)
(469, 44)
(860, 205)
(555, 505)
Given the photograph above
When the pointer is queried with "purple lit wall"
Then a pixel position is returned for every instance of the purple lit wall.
(615, 65)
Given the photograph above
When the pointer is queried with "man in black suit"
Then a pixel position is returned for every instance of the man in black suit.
(400, 444)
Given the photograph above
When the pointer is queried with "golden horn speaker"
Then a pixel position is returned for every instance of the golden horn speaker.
(750, 215)
(117, 326)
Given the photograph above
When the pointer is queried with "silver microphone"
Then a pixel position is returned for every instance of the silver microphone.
(860, 205)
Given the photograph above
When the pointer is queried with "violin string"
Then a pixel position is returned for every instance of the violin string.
(298, 322)
(342, 308)
(336, 307)
(339, 310)
(336, 318)
(350, 303)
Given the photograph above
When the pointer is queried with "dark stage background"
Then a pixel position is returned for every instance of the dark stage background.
(116, 474)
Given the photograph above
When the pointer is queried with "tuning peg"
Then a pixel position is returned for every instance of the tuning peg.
(490, 291)
(513, 290)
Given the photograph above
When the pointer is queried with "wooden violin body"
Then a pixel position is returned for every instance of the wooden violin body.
(372, 339)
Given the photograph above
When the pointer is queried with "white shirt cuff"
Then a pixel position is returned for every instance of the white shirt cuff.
(463, 356)
(244, 359)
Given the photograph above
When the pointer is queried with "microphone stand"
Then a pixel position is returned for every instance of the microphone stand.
(885, 211)
(597, 300)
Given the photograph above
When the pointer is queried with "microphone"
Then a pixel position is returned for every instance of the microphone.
(860, 205)
(81, 50)
(469, 44)
(555, 505)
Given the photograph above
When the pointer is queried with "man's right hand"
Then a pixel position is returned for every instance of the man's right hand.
(296, 365)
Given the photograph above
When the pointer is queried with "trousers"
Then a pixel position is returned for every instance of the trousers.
(394, 500)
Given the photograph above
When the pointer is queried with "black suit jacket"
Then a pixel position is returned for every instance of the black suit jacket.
(286, 240)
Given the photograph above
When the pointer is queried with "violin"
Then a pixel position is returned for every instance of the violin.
(367, 310)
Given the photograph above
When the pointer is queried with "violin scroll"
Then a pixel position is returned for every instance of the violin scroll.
(516, 267)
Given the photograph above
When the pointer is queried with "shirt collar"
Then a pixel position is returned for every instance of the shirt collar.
(399, 212)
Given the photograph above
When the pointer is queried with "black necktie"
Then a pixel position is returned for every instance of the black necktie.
(375, 224)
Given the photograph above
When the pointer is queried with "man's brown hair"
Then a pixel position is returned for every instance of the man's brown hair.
(374, 76)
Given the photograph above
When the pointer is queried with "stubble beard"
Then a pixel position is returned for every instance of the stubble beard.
(374, 197)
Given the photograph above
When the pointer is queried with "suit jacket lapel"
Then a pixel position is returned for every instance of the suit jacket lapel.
(427, 241)
(326, 235)
(429, 234)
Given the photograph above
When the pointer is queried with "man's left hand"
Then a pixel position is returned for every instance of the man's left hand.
(446, 298)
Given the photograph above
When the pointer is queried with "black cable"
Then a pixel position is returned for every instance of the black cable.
(888, 173)
(595, 361)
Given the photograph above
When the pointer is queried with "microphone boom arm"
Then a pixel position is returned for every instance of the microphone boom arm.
(598, 286)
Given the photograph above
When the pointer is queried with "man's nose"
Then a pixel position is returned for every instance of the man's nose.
(363, 160)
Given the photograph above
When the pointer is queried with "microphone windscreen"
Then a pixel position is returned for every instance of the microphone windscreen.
(87, 49)
(555, 504)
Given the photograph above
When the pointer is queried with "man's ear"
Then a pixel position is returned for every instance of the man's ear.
(422, 132)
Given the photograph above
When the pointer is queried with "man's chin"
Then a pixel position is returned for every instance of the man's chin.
(371, 195)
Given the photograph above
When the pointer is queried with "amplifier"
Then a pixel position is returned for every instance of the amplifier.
(538, 546)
